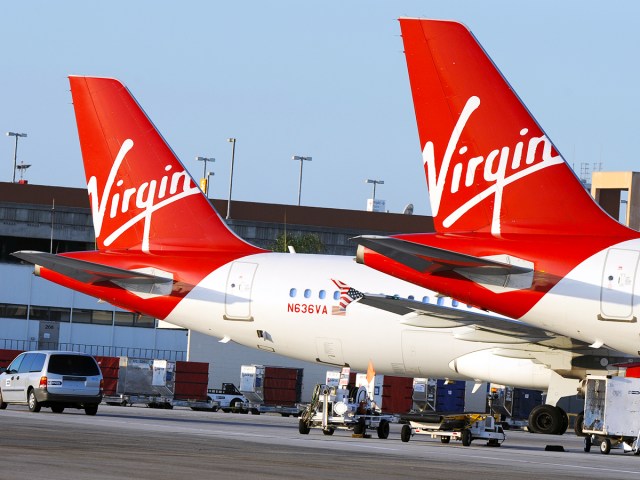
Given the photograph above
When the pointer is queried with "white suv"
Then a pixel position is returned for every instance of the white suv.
(53, 379)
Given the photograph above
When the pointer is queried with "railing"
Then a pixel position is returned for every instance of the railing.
(96, 350)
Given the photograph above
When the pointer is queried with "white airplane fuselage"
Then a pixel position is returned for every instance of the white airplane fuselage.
(286, 304)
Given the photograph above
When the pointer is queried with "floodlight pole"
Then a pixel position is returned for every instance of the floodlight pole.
(15, 151)
(301, 159)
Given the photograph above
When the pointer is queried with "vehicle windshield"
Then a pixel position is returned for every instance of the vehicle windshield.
(73, 365)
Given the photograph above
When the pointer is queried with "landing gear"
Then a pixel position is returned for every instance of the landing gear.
(548, 419)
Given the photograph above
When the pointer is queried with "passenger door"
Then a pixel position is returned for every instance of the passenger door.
(618, 284)
(238, 291)
(22, 381)
(9, 378)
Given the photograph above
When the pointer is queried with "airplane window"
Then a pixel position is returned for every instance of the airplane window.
(425, 299)
(440, 301)
(322, 294)
(454, 303)
(293, 292)
(336, 295)
(307, 293)
(411, 297)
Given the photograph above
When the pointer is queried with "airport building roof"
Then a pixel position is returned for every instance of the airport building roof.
(31, 214)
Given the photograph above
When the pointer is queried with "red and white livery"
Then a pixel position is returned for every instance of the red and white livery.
(515, 231)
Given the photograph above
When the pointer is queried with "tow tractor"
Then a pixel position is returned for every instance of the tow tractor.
(334, 408)
(465, 427)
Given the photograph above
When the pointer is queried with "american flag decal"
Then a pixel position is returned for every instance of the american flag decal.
(347, 294)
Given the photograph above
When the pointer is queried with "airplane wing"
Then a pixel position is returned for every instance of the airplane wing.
(425, 258)
(479, 327)
(89, 272)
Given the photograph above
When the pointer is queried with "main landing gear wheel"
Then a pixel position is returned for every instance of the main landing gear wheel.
(328, 431)
(548, 419)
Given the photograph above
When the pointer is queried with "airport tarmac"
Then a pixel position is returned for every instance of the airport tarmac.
(143, 443)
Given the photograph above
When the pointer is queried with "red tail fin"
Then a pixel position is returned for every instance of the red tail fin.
(489, 166)
(142, 198)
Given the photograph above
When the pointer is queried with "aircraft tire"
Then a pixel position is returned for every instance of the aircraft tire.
(547, 419)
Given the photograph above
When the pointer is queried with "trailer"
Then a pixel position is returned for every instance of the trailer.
(157, 383)
(334, 408)
(612, 413)
(270, 389)
(464, 427)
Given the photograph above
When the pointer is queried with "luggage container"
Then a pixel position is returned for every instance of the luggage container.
(612, 413)
(271, 389)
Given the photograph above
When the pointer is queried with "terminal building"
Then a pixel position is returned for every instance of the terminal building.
(37, 314)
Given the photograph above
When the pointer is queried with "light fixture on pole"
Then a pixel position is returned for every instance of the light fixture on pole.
(22, 167)
(233, 155)
(209, 174)
(204, 172)
(15, 151)
(375, 182)
(301, 159)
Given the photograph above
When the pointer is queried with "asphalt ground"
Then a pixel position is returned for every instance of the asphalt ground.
(144, 443)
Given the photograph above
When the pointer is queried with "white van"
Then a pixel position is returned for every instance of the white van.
(55, 379)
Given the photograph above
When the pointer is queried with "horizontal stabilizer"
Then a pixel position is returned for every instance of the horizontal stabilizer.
(88, 272)
(425, 258)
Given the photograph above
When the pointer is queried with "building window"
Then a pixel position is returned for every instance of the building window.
(145, 321)
(102, 317)
(10, 310)
(53, 314)
(124, 319)
(57, 314)
(80, 315)
(38, 313)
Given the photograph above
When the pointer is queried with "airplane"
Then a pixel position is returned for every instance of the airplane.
(163, 251)
(516, 232)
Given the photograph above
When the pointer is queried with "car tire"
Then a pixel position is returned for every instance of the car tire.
(57, 408)
(91, 409)
(34, 405)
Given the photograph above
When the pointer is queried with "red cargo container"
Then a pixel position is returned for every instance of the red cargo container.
(191, 381)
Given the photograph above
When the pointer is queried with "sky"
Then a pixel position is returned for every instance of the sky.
(325, 79)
